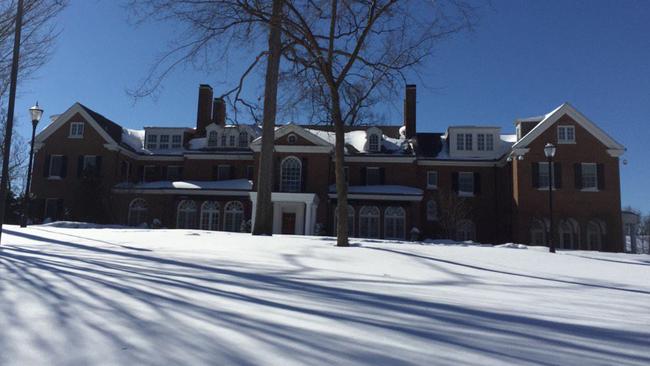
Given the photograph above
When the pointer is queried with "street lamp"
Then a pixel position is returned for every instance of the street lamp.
(549, 151)
(35, 113)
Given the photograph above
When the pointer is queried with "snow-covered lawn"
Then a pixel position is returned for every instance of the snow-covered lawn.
(180, 297)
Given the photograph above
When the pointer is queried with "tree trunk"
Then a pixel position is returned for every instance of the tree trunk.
(264, 206)
(339, 162)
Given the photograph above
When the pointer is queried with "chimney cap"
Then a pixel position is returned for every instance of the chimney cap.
(409, 86)
(207, 86)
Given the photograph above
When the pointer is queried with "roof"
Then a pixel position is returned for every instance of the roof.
(112, 128)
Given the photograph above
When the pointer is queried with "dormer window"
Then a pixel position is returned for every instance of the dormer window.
(213, 139)
(566, 135)
(468, 141)
(224, 139)
(243, 139)
(76, 130)
(489, 142)
(232, 140)
(176, 141)
(460, 141)
(164, 142)
(152, 141)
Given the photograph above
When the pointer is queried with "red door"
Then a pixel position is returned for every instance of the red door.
(288, 223)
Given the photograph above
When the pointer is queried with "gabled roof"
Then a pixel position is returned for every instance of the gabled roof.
(614, 148)
(292, 128)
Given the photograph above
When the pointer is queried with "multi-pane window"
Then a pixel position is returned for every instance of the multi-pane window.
(468, 141)
(589, 176)
(176, 141)
(369, 222)
(232, 140)
(152, 141)
(243, 139)
(223, 172)
(373, 143)
(432, 210)
(89, 164)
(76, 129)
(137, 212)
(233, 216)
(480, 141)
(394, 220)
(373, 176)
(489, 142)
(164, 142)
(56, 166)
(291, 175)
(224, 139)
(432, 179)
(186, 215)
(466, 183)
(210, 215)
(543, 175)
(460, 141)
(566, 134)
(213, 139)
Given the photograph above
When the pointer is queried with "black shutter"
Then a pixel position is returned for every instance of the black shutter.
(600, 171)
(46, 167)
(454, 181)
(59, 209)
(557, 172)
(477, 183)
(80, 166)
(64, 166)
(535, 176)
(303, 178)
(363, 176)
(98, 165)
(382, 176)
(578, 175)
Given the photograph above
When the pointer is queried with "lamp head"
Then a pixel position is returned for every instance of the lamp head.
(35, 113)
(549, 150)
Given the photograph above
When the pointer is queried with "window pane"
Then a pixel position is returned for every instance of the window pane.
(432, 179)
(490, 142)
(460, 141)
(481, 141)
(468, 141)
(466, 182)
(589, 176)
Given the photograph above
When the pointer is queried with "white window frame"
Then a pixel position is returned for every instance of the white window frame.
(176, 144)
(232, 140)
(76, 130)
(562, 134)
(431, 173)
(469, 146)
(151, 142)
(585, 187)
(461, 192)
(489, 142)
(460, 141)
(290, 182)
(466, 231)
(50, 175)
(480, 142)
(161, 144)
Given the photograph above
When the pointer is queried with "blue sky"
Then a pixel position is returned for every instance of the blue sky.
(525, 58)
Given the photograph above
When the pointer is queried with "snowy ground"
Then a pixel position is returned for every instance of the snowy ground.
(178, 297)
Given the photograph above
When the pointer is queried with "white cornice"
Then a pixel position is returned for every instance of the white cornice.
(218, 157)
(193, 192)
(457, 163)
(378, 159)
(381, 197)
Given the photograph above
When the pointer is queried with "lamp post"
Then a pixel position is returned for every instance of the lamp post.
(35, 113)
(549, 151)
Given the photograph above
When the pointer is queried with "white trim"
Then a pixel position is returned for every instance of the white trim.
(256, 144)
(565, 141)
(76, 123)
(288, 197)
(192, 192)
(381, 197)
(579, 118)
(301, 149)
(218, 157)
(458, 163)
(379, 159)
(65, 117)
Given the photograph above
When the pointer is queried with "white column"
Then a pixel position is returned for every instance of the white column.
(253, 212)
(309, 226)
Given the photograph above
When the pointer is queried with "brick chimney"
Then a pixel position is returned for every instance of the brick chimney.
(409, 111)
(204, 110)
(219, 111)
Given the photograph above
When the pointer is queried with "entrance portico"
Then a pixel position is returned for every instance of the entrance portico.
(291, 212)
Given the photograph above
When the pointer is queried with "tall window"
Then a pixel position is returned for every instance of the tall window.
(210, 215)
(291, 174)
(594, 235)
(566, 134)
(233, 216)
(589, 176)
(369, 222)
(465, 231)
(432, 210)
(538, 233)
(373, 143)
(137, 212)
(76, 130)
(543, 177)
(466, 183)
(480, 141)
(243, 139)
(460, 141)
(56, 166)
(164, 142)
(213, 139)
(394, 222)
(432, 179)
(152, 141)
(186, 215)
(224, 140)
(489, 142)
(568, 234)
(350, 220)
(232, 140)
(468, 141)
(176, 141)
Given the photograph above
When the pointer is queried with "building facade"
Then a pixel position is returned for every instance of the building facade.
(468, 183)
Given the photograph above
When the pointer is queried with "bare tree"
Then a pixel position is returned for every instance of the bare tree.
(345, 53)
(19, 155)
(453, 210)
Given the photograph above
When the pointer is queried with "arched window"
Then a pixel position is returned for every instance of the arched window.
(432, 210)
(568, 232)
(291, 174)
(137, 212)
(350, 220)
(465, 231)
(595, 232)
(243, 139)
(210, 215)
(213, 139)
(537, 232)
(374, 143)
(186, 215)
(233, 216)
(369, 222)
(394, 221)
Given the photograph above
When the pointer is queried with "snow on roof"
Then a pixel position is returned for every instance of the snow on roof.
(133, 138)
(503, 146)
(381, 189)
(357, 139)
(232, 184)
